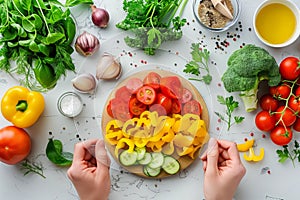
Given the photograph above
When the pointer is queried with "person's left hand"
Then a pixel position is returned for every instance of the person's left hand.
(89, 171)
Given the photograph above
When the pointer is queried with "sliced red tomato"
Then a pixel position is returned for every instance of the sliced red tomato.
(134, 84)
(136, 107)
(281, 136)
(165, 101)
(108, 110)
(294, 103)
(176, 106)
(171, 87)
(186, 95)
(153, 80)
(268, 103)
(192, 107)
(120, 110)
(265, 121)
(285, 115)
(280, 91)
(146, 95)
(159, 109)
(123, 94)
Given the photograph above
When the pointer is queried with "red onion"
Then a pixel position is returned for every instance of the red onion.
(100, 16)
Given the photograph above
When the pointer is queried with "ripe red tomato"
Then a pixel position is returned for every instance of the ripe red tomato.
(268, 103)
(294, 103)
(133, 85)
(165, 101)
(136, 107)
(192, 107)
(289, 68)
(108, 110)
(123, 94)
(153, 80)
(171, 87)
(265, 121)
(176, 106)
(296, 125)
(281, 136)
(186, 96)
(285, 115)
(297, 91)
(146, 95)
(120, 110)
(280, 91)
(15, 145)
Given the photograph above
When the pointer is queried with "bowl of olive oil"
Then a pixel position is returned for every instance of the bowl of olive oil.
(277, 22)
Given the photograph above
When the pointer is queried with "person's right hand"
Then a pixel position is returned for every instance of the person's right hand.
(89, 172)
(223, 170)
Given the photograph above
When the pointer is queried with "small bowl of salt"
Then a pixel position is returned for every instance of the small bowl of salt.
(69, 104)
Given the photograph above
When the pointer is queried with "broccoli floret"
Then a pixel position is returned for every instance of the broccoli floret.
(246, 68)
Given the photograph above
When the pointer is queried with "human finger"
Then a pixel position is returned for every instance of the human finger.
(212, 156)
(101, 155)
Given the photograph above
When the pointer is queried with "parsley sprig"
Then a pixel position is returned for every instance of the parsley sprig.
(152, 22)
(200, 62)
(285, 153)
(231, 105)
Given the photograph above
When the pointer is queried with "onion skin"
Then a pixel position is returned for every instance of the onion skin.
(100, 16)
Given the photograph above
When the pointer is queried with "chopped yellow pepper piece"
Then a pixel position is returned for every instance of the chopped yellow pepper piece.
(253, 157)
(245, 146)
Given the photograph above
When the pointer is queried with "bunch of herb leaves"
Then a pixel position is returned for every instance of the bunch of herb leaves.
(55, 153)
(286, 153)
(199, 62)
(152, 22)
(231, 105)
(37, 35)
(32, 167)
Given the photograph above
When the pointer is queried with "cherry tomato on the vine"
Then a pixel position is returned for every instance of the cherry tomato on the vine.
(268, 103)
(265, 121)
(285, 116)
(296, 125)
(281, 135)
(289, 68)
(281, 91)
(294, 103)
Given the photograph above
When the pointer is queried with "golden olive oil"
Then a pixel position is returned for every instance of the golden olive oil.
(276, 23)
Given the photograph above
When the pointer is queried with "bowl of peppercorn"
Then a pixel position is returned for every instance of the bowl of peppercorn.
(211, 18)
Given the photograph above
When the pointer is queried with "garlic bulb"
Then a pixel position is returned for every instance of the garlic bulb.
(108, 67)
(87, 44)
(85, 83)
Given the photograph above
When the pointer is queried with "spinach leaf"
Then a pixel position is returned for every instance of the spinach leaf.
(55, 154)
(71, 3)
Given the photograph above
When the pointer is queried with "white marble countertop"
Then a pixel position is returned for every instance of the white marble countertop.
(267, 179)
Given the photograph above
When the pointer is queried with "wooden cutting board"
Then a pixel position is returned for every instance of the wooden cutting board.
(184, 161)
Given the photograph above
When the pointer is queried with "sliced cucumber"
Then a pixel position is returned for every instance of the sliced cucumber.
(157, 160)
(146, 160)
(128, 158)
(140, 152)
(171, 165)
(151, 172)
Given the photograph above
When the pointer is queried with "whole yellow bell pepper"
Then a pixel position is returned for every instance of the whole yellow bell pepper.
(21, 106)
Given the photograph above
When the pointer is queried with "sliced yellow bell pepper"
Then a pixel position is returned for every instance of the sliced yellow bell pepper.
(122, 144)
(253, 157)
(21, 106)
(168, 148)
(245, 146)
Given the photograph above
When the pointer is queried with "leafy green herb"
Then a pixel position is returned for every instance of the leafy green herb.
(32, 167)
(152, 22)
(231, 105)
(287, 154)
(71, 3)
(55, 154)
(37, 34)
(199, 62)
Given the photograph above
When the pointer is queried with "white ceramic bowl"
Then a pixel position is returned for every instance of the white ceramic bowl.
(236, 14)
(296, 12)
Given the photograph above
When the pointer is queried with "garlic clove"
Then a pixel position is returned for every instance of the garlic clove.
(85, 83)
(87, 44)
(108, 67)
